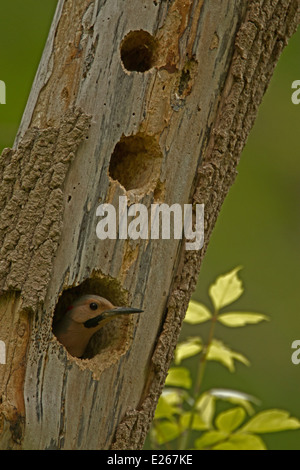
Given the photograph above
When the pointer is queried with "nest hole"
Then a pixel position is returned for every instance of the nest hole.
(138, 51)
(136, 162)
(113, 335)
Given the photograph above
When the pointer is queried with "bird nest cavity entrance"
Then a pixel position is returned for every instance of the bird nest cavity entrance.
(139, 51)
(136, 162)
(113, 339)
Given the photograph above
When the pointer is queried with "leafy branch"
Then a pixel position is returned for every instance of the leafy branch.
(184, 410)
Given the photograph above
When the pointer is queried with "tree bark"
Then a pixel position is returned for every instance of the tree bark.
(181, 105)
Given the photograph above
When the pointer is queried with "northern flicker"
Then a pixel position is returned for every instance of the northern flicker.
(83, 319)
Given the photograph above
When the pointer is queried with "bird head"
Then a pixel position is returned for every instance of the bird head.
(93, 311)
(84, 317)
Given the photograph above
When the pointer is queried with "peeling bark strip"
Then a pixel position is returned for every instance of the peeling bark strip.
(181, 104)
(31, 205)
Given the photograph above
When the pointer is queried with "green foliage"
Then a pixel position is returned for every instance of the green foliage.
(226, 289)
(189, 348)
(179, 377)
(197, 313)
(237, 319)
(219, 352)
(271, 421)
(186, 417)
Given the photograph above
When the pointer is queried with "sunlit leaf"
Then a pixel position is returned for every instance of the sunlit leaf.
(226, 289)
(165, 431)
(235, 397)
(206, 406)
(271, 421)
(221, 353)
(237, 319)
(240, 441)
(225, 393)
(173, 397)
(244, 403)
(179, 377)
(230, 420)
(210, 438)
(198, 424)
(165, 409)
(188, 348)
(197, 313)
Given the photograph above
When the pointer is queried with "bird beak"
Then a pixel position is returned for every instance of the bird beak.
(108, 314)
(122, 311)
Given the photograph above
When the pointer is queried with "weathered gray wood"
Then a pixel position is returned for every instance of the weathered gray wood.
(83, 101)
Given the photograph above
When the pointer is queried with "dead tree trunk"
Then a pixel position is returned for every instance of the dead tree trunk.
(152, 100)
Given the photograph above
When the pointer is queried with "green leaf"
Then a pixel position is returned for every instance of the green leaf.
(206, 406)
(164, 409)
(226, 289)
(209, 439)
(173, 397)
(198, 424)
(179, 377)
(221, 353)
(236, 398)
(230, 420)
(240, 441)
(237, 319)
(188, 348)
(271, 421)
(165, 431)
(197, 313)
(244, 403)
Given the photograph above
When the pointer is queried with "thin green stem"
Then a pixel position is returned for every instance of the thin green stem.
(198, 382)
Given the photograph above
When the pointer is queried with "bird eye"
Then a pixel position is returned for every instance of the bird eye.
(93, 306)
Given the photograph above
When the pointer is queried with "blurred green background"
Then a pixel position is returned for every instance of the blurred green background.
(259, 226)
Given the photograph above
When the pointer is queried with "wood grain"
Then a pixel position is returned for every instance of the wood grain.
(194, 108)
